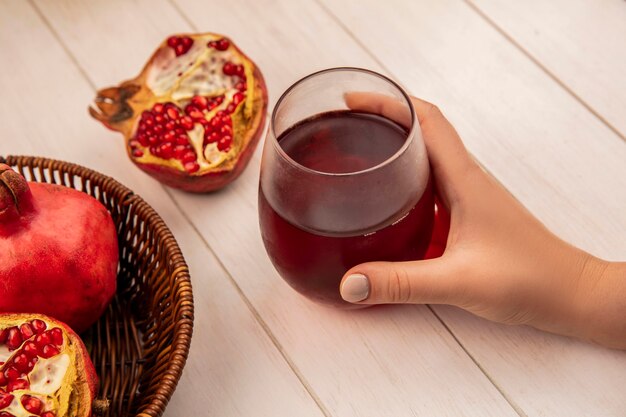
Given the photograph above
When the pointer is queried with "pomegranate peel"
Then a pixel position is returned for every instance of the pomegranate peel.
(58, 252)
(193, 116)
(63, 384)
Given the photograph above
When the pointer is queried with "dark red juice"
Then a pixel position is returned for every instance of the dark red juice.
(313, 263)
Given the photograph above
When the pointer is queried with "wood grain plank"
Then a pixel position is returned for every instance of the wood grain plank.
(382, 362)
(234, 369)
(563, 163)
(581, 42)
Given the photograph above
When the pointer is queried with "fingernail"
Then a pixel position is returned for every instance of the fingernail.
(355, 288)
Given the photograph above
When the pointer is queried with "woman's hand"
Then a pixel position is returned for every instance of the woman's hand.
(500, 262)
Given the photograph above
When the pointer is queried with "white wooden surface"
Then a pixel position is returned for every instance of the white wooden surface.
(535, 113)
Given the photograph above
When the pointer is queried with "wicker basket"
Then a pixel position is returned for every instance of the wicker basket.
(140, 345)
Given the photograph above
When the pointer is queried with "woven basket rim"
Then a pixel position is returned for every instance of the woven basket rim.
(183, 328)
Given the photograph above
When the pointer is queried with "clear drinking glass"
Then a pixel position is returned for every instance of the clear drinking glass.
(343, 185)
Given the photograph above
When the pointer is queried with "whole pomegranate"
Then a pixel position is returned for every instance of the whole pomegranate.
(58, 251)
(194, 115)
(44, 369)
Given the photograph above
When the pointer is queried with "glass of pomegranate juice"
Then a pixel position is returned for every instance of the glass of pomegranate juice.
(341, 186)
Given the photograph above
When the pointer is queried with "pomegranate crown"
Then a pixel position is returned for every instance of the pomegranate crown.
(15, 196)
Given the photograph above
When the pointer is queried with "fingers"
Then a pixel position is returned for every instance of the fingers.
(420, 282)
(447, 154)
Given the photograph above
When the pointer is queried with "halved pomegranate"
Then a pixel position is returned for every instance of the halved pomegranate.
(45, 369)
(58, 251)
(194, 115)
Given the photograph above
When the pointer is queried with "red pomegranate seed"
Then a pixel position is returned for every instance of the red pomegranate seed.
(231, 108)
(32, 404)
(172, 41)
(169, 136)
(158, 129)
(49, 351)
(4, 334)
(186, 122)
(17, 384)
(30, 349)
(42, 340)
(215, 123)
(137, 153)
(171, 125)
(179, 151)
(158, 108)
(5, 414)
(219, 99)
(226, 130)
(47, 414)
(166, 150)
(153, 150)
(191, 167)
(5, 399)
(15, 338)
(193, 112)
(229, 68)
(159, 119)
(11, 373)
(239, 69)
(189, 156)
(21, 362)
(187, 42)
(200, 102)
(3, 379)
(153, 140)
(212, 137)
(222, 44)
(31, 363)
(57, 336)
(238, 98)
(182, 139)
(172, 113)
(241, 86)
(133, 144)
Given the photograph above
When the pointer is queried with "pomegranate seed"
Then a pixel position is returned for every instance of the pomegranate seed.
(15, 338)
(153, 140)
(11, 373)
(212, 105)
(172, 41)
(4, 334)
(160, 119)
(189, 156)
(231, 108)
(215, 123)
(49, 351)
(241, 86)
(222, 44)
(180, 50)
(226, 120)
(191, 167)
(42, 340)
(32, 404)
(57, 336)
(137, 153)
(166, 150)
(229, 68)
(143, 140)
(3, 379)
(47, 414)
(21, 362)
(193, 112)
(219, 99)
(212, 137)
(133, 144)
(5, 399)
(238, 98)
(182, 139)
(224, 143)
(153, 150)
(226, 130)
(200, 102)
(158, 129)
(186, 122)
(30, 349)
(169, 136)
(171, 125)
(31, 363)
(173, 113)
(179, 152)
(187, 42)
(204, 123)
(5, 414)
(17, 384)
(158, 108)
(239, 69)
(211, 44)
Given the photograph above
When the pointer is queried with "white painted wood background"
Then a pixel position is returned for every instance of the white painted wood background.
(537, 89)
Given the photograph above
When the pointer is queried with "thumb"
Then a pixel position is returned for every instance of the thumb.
(432, 281)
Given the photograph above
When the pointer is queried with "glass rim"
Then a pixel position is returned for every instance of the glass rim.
(396, 155)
